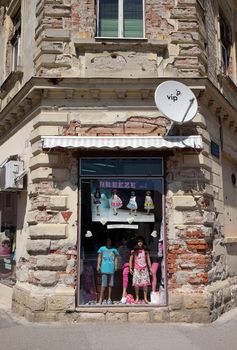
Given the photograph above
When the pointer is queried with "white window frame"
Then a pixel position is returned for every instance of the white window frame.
(120, 21)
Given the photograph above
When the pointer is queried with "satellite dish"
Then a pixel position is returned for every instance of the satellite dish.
(176, 101)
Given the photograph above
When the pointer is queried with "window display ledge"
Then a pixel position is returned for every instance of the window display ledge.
(118, 308)
(120, 314)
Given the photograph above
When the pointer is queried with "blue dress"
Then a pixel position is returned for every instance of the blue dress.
(132, 204)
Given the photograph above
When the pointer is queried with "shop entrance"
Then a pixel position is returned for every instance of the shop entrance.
(121, 200)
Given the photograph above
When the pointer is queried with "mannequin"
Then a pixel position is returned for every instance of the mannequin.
(97, 201)
(107, 264)
(140, 265)
(148, 204)
(116, 202)
(132, 204)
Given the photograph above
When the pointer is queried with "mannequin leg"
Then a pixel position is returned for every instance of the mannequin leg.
(137, 293)
(109, 292)
(125, 279)
(101, 295)
(154, 268)
(145, 294)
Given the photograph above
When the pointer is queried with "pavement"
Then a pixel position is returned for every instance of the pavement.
(16, 333)
(5, 297)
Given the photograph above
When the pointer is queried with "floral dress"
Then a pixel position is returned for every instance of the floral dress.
(141, 276)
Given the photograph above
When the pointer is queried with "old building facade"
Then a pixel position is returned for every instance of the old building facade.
(79, 126)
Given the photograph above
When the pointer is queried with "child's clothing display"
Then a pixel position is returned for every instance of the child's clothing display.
(132, 204)
(116, 201)
(140, 274)
(108, 257)
(97, 197)
(148, 204)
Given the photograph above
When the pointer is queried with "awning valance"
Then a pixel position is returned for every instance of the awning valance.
(122, 142)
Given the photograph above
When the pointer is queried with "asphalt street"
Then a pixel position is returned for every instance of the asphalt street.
(18, 334)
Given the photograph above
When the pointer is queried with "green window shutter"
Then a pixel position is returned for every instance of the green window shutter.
(108, 18)
(133, 18)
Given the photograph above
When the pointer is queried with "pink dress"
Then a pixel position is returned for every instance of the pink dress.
(141, 276)
(116, 201)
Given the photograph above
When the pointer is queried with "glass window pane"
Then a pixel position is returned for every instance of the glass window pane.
(108, 18)
(133, 18)
(122, 166)
(104, 216)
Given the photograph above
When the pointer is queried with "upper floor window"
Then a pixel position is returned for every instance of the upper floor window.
(225, 41)
(15, 41)
(120, 18)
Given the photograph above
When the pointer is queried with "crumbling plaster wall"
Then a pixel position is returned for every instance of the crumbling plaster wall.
(15, 78)
(67, 46)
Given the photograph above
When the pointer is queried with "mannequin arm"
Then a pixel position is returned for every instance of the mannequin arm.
(99, 262)
(131, 264)
(149, 262)
(115, 263)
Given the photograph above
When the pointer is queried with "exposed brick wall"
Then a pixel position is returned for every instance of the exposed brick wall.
(85, 25)
(157, 14)
(133, 126)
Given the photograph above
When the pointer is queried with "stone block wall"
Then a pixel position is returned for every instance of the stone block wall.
(49, 270)
(54, 55)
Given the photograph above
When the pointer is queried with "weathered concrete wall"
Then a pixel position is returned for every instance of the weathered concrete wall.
(211, 43)
(19, 144)
(3, 45)
(28, 45)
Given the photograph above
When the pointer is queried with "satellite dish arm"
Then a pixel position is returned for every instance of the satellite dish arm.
(190, 105)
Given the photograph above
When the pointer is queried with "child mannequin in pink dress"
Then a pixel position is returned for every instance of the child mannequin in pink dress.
(116, 202)
(141, 259)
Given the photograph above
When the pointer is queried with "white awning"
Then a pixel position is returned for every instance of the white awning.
(122, 142)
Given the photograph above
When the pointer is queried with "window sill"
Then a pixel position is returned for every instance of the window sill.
(231, 240)
(9, 82)
(103, 38)
(100, 44)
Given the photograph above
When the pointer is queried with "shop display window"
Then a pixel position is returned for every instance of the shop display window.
(7, 257)
(116, 211)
